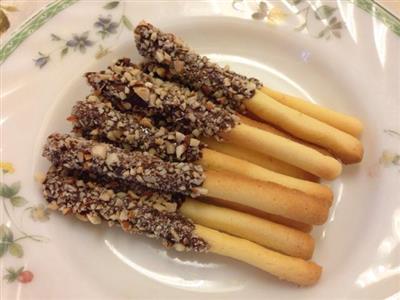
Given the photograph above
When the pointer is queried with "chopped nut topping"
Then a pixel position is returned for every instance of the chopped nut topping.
(133, 215)
(142, 92)
(179, 137)
(52, 205)
(105, 196)
(178, 66)
(63, 150)
(168, 104)
(194, 142)
(191, 69)
(82, 218)
(94, 219)
(146, 122)
(179, 150)
(97, 120)
(112, 159)
(100, 151)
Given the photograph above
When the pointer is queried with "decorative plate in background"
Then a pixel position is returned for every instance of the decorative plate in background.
(330, 52)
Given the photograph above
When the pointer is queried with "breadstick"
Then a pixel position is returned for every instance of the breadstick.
(194, 114)
(341, 144)
(284, 221)
(343, 122)
(118, 139)
(155, 215)
(284, 267)
(266, 196)
(258, 213)
(98, 120)
(220, 162)
(265, 126)
(271, 235)
(284, 149)
(234, 90)
(258, 158)
(272, 129)
(95, 118)
(137, 168)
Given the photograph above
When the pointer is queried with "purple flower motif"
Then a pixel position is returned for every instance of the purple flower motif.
(42, 60)
(106, 26)
(80, 42)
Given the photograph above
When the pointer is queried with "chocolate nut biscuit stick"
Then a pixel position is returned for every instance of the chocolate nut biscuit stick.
(96, 119)
(184, 178)
(153, 215)
(236, 91)
(191, 113)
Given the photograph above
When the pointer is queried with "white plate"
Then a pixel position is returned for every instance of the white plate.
(352, 67)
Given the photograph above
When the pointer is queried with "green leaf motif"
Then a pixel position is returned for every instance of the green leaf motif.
(12, 274)
(6, 238)
(392, 132)
(3, 248)
(4, 22)
(64, 52)
(262, 7)
(103, 34)
(16, 250)
(127, 23)
(337, 25)
(7, 191)
(332, 21)
(321, 34)
(295, 2)
(15, 187)
(55, 37)
(258, 15)
(6, 235)
(18, 201)
(301, 27)
(3, 189)
(111, 5)
(324, 12)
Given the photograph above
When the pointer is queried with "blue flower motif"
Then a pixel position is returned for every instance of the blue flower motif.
(42, 60)
(106, 26)
(80, 42)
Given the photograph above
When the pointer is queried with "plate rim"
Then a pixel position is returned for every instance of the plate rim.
(49, 27)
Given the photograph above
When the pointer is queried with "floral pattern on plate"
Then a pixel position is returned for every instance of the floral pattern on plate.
(105, 26)
(12, 235)
(388, 157)
(318, 20)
